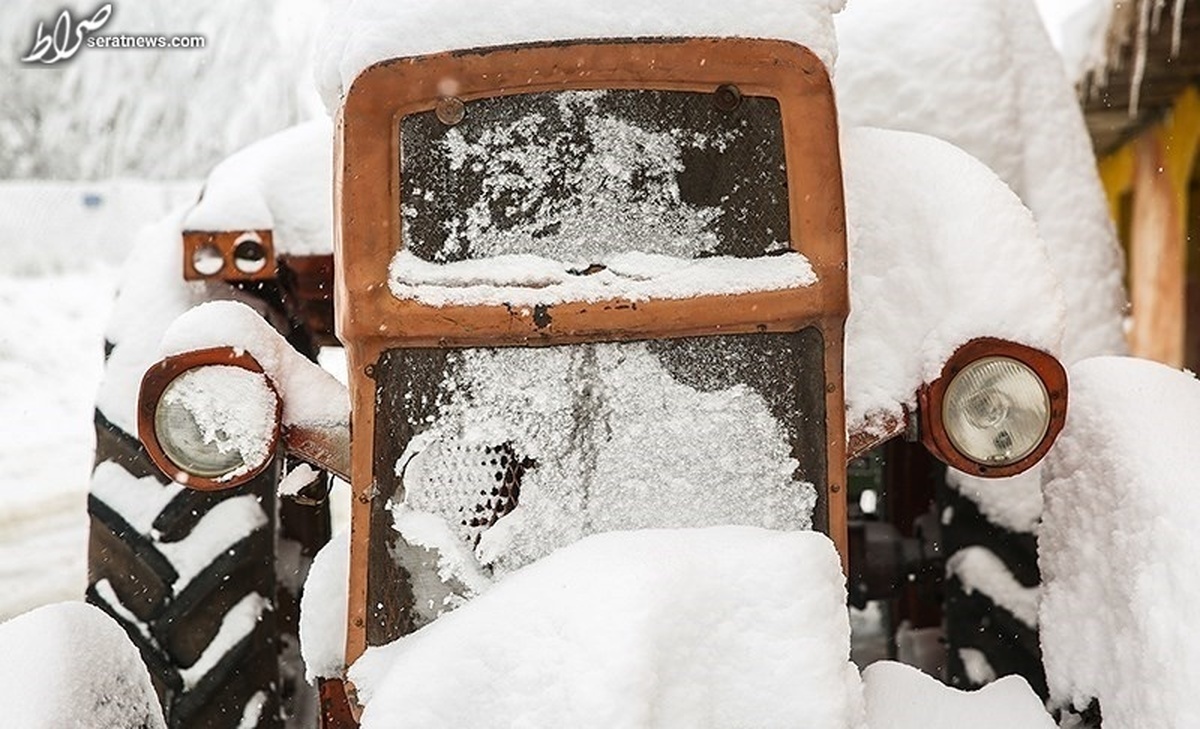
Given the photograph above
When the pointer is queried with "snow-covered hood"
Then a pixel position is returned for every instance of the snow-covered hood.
(280, 183)
(365, 32)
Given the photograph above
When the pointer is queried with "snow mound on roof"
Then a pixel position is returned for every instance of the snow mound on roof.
(941, 252)
(901, 697)
(281, 183)
(1118, 545)
(720, 627)
(365, 32)
(1079, 30)
(983, 75)
(70, 665)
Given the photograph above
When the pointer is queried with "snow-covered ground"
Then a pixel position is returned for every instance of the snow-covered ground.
(51, 358)
(62, 245)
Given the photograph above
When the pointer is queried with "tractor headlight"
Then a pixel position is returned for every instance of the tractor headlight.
(209, 418)
(996, 409)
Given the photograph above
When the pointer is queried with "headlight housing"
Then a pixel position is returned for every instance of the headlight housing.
(996, 409)
(209, 418)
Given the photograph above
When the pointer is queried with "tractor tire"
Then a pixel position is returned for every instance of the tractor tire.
(205, 584)
(990, 599)
(195, 593)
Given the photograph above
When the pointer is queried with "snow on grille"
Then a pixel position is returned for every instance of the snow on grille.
(604, 438)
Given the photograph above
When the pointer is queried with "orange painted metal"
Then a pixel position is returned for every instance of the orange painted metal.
(325, 446)
(308, 283)
(368, 230)
(336, 712)
(865, 438)
(931, 397)
(225, 242)
(154, 384)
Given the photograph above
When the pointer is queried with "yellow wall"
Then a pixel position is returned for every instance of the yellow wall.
(1157, 169)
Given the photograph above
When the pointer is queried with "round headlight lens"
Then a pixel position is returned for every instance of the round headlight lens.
(207, 260)
(996, 411)
(217, 421)
(249, 255)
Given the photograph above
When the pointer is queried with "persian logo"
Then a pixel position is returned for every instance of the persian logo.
(67, 36)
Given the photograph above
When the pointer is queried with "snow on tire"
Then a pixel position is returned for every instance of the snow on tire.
(190, 576)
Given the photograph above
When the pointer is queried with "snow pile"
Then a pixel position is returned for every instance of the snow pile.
(233, 408)
(364, 32)
(297, 479)
(311, 396)
(281, 183)
(138, 500)
(69, 665)
(1079, 30)
(722, 627)
(901, 697)
(941, 252)
(528, 280)
(1013, 503)
(606, 439)
(983, 75)
(323, 611)
(1118, 546)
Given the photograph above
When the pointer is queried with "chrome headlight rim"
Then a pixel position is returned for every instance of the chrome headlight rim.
(935, 434)
(155, 384)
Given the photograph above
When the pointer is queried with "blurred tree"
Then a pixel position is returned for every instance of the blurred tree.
(154, 114)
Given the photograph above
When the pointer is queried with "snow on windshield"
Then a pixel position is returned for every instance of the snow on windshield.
(628, 187)
(564, 179)
(525, 280)
(365, 32)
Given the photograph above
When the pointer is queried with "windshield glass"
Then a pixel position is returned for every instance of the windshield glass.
(575, 175)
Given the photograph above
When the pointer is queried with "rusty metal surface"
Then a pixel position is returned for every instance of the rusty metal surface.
(307, 283)
(335, 705)
(225, 243)
(872, 435)
(369, 230)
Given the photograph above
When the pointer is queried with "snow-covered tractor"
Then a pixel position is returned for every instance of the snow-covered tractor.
(589, 278)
